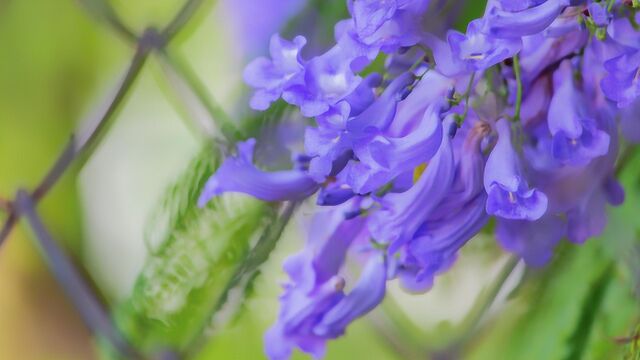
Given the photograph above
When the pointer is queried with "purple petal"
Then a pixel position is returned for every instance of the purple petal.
(238, 174)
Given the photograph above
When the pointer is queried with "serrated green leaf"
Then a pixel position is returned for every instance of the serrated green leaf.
(194, 253)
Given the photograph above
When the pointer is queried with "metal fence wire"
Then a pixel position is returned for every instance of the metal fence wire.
(151, 41)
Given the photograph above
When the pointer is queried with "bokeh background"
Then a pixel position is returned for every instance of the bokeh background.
(57, 62)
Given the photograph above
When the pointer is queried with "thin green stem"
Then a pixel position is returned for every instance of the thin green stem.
(466, 96)
(518, 73)
(470, 324)
(484, 303)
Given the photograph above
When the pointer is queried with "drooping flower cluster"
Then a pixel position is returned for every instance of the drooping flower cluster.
(516, 119)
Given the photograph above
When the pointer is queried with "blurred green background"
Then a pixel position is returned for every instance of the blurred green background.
(57, 63)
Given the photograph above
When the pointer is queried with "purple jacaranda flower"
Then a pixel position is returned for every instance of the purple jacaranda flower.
(580, 193)
(403, 213)
(387, 24)
(622, 83)
(622, 32)
(518, 5)
(535, 105)
(533, 241)
(368, 292)
(540, 52)
(433, 88)
(378, 116)
(510, 196)
(376, 26)
(325, 146)
(435, 247)
(328, 79)
(363, 96)
(239, 174)
(629, 122)
(514, 24)
(270, 77)
(588, 218)
(567, 23)
(335, 191)
(359, 53)
(459, 216)
(404, 189)
(334, 136)
(477, 51)
(334, 160)
(314, 306)
(382, 158)
(576, 137)
(599, 14)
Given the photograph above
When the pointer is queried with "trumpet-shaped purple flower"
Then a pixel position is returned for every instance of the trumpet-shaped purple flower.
(314, 306)
(328, 79)
(533, 241)
(599, 14)
(387, 24)
(403, 213)
(405, 189)
(576, 137)
(509, 194)
(518, 5)
(378, 116)
(541, 52)
(622, 83)
(505, 23)
(271, 77)
(326, 147)
(478, 50)
(459, 216)
(239, 174)
(383, 158)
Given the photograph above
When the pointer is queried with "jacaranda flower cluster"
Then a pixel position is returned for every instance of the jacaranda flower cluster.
(517, 119)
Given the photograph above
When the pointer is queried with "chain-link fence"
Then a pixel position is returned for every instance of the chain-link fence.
(150, 42)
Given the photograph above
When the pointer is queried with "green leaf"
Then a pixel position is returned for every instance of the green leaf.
(194, 253)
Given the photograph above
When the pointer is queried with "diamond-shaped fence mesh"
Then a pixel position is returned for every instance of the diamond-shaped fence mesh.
(150, 42)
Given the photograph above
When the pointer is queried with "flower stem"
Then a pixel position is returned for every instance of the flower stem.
(517, 71)
(467, 94)
(469, 325)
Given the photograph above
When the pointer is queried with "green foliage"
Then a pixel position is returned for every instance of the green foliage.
(577, 307)
(193, 253)
(471, 9)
